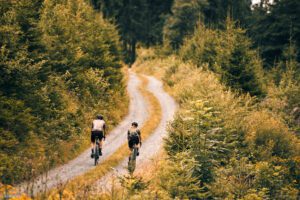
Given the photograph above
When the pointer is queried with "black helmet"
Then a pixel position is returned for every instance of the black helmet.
(99, 116)
(135, 124)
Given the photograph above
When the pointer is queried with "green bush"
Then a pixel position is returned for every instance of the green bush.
(178, 178)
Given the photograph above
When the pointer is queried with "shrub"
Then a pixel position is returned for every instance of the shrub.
(266, 131)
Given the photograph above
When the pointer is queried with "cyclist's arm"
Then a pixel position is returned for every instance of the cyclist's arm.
(128, 133)
(104, 129)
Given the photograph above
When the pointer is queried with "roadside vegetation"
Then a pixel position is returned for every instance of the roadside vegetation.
(223, 144)
(60, 66)
(236, 135)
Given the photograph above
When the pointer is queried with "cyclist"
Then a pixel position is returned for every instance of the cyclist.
(134, 137)
(98, 131)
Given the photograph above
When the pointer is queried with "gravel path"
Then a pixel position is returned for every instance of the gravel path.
(152, 145)
(138, 111)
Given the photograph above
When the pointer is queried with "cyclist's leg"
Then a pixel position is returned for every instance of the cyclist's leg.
(93, 139)
(101, 137)
(100, 147)
(138, 148)
(130, 146)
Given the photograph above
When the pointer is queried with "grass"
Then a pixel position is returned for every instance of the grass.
(82, 183)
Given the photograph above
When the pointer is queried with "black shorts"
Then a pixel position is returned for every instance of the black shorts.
(132, 141)
(96, 134)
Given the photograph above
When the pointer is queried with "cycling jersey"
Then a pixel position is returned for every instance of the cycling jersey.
(134, 137)
(98, 125)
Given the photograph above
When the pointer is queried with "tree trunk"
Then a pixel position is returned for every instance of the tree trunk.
(133, 51)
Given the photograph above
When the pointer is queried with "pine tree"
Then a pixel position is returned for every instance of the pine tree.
(272, 26)
(242, 70)
(185, 15)
(218, 10)
(227, 53)
(154, 21)
(178, 177)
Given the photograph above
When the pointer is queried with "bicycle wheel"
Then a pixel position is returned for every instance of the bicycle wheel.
(134, 153)
(96, 153)
(132, 160)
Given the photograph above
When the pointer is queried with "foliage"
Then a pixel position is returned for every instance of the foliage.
(269, 136)
(284, 89)
(133, 184)
(9, 192)
(60, 64)
(178, 177)
(241, 149)
(213, 13)
(272, 26)
(218, 10)
(227, 53)
(137, 20)
(185, 15)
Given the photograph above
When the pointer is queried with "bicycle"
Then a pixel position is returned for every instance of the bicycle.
(132, 159)
(97, 151)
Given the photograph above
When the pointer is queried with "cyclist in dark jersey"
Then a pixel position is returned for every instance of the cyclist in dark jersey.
(134, 137)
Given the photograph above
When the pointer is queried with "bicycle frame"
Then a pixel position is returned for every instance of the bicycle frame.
(132, 159)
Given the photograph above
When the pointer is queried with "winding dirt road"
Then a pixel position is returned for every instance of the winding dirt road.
(152, 145)
(138, 111)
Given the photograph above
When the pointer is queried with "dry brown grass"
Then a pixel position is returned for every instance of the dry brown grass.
(148, 64)
(79, 183)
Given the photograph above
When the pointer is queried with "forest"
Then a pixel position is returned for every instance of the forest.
(233, 67)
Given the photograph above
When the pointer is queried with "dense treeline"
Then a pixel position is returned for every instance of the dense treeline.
(270, 24)
(59, 66)
(150, 22)
(137, 20)
(272, 29)
(273, 26)
(187, 13)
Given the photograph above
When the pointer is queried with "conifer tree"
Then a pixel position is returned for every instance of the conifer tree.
(272, 26)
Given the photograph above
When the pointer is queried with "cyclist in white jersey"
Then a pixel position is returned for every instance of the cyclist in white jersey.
(98, 131)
